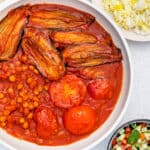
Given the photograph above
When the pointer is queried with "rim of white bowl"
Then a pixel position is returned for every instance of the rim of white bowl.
(7, 3)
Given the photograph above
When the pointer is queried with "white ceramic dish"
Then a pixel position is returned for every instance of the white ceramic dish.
(113, 120)
(127, 34)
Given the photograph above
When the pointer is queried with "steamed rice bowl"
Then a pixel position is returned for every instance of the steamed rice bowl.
(131, 15)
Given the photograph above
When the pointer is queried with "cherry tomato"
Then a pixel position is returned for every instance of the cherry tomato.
(47, 124)
(114, 142)
(68, 91)
(80, 119)
(100, 89)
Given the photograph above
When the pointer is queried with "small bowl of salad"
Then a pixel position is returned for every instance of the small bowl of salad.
(133, 135)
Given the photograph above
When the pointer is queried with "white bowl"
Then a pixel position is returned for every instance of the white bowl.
(101, 133)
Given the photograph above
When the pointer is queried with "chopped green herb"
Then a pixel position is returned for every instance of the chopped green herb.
(134, 136)
(133, 125)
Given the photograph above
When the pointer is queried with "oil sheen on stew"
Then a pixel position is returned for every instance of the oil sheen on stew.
(60, 74)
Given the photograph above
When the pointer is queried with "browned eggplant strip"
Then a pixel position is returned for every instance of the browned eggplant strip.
(10, 31)
(96, 72)
(12, 42)
(66, 14)
(86, 50)
(38, 48)
(53, 23)
(41, 38)
(87, 72)
(73, 37)
(90, 55)
(93, 62)
(55, 14)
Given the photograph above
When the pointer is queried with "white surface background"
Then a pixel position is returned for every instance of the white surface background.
(139, 106)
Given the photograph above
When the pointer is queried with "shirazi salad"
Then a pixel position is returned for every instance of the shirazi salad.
(133, 137)
(132, 15)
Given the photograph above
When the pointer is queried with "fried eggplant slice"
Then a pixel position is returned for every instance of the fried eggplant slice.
(88, 73)
(55, 14)
(95, 72)
(53, 23)
(11, 28)
(73, 37)
(38, 48)
(90, 55)
(58, 19)
(67, 14)
(93, 62)
(40, 37)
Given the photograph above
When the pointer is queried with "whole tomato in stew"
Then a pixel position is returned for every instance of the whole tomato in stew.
(46, 120)
(68, 91)
(80, 119)
(100, 89)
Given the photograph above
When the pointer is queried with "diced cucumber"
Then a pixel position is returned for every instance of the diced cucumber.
(147, 135)
(147, 131)
(134, 148)
(148, 148)
(121, 131)
(144, 129)
(133, 125)
(121, 137)
(138, 128)
(117, 147)
(144, 146)
(139, 141)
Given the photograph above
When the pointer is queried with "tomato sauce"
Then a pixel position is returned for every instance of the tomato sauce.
(23, 89)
